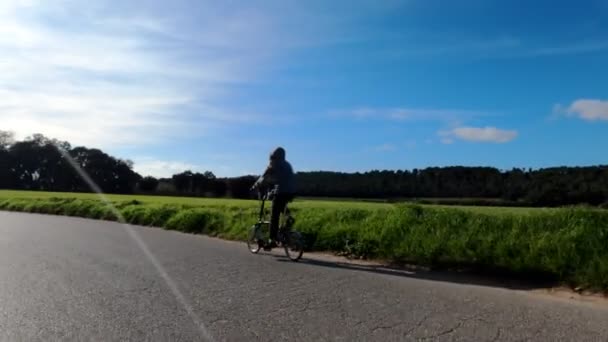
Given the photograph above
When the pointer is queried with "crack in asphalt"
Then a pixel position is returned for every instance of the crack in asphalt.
(418, 324)
(537, 332)
(497, 335)
(453, 329)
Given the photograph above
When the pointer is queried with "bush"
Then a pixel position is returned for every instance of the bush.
(197, 220)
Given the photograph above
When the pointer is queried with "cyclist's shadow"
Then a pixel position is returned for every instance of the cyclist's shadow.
(490, 278)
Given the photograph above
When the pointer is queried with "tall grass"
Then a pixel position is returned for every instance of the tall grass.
(568, 244)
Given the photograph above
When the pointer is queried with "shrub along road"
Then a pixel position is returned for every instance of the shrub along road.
(78, 279)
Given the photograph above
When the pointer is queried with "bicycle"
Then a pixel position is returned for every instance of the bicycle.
(287, 238)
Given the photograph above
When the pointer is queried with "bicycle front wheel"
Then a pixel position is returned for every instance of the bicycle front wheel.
(253, 239)
(294, 248)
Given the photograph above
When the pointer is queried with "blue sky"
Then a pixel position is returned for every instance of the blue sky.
(342, 85)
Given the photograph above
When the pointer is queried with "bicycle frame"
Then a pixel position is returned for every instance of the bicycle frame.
(261, 217)
(288, 239)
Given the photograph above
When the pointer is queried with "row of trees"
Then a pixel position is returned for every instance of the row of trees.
(548, 187)
(40, 163)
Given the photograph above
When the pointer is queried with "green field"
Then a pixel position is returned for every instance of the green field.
(568, 244)
(197, 201)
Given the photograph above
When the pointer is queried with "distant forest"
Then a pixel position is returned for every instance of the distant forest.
(40, 163)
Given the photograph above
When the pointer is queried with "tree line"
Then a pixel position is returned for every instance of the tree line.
(554, 186)
(41, 163)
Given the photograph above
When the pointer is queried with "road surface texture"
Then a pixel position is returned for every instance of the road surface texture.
(77, 279)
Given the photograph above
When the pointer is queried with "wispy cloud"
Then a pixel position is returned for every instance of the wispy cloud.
(97, 76)
(150, 166)
(478, 134)
(162, 168)
(568, 49)
(405, 114)
(586, 109)
(442, 44)
(384, 148)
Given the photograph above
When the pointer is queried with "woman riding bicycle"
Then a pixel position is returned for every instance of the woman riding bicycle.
(279, 173)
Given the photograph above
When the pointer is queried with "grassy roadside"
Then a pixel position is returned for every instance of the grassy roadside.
(299, 203)
(567, 244)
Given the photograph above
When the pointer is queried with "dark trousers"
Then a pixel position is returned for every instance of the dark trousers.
(278, 206)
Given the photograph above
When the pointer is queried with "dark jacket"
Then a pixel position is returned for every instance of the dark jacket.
(279, 172)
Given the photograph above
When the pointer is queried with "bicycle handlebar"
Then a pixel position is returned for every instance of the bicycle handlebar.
(266, 194)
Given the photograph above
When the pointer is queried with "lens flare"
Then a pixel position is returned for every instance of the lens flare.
(141, 244)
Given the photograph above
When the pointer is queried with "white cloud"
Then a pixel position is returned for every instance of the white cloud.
(161, 168)
(579, 47)
(586, 109)
(385, 148)
(101, 74)
(404, 114)
(94, 116)
(427, 44)
(382, 148)
(478, 134)
(149, 166)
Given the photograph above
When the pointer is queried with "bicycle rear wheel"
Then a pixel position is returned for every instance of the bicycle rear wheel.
(253, 239)
(294, 248)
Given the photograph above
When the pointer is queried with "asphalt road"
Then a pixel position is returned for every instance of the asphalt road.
(77, 279)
